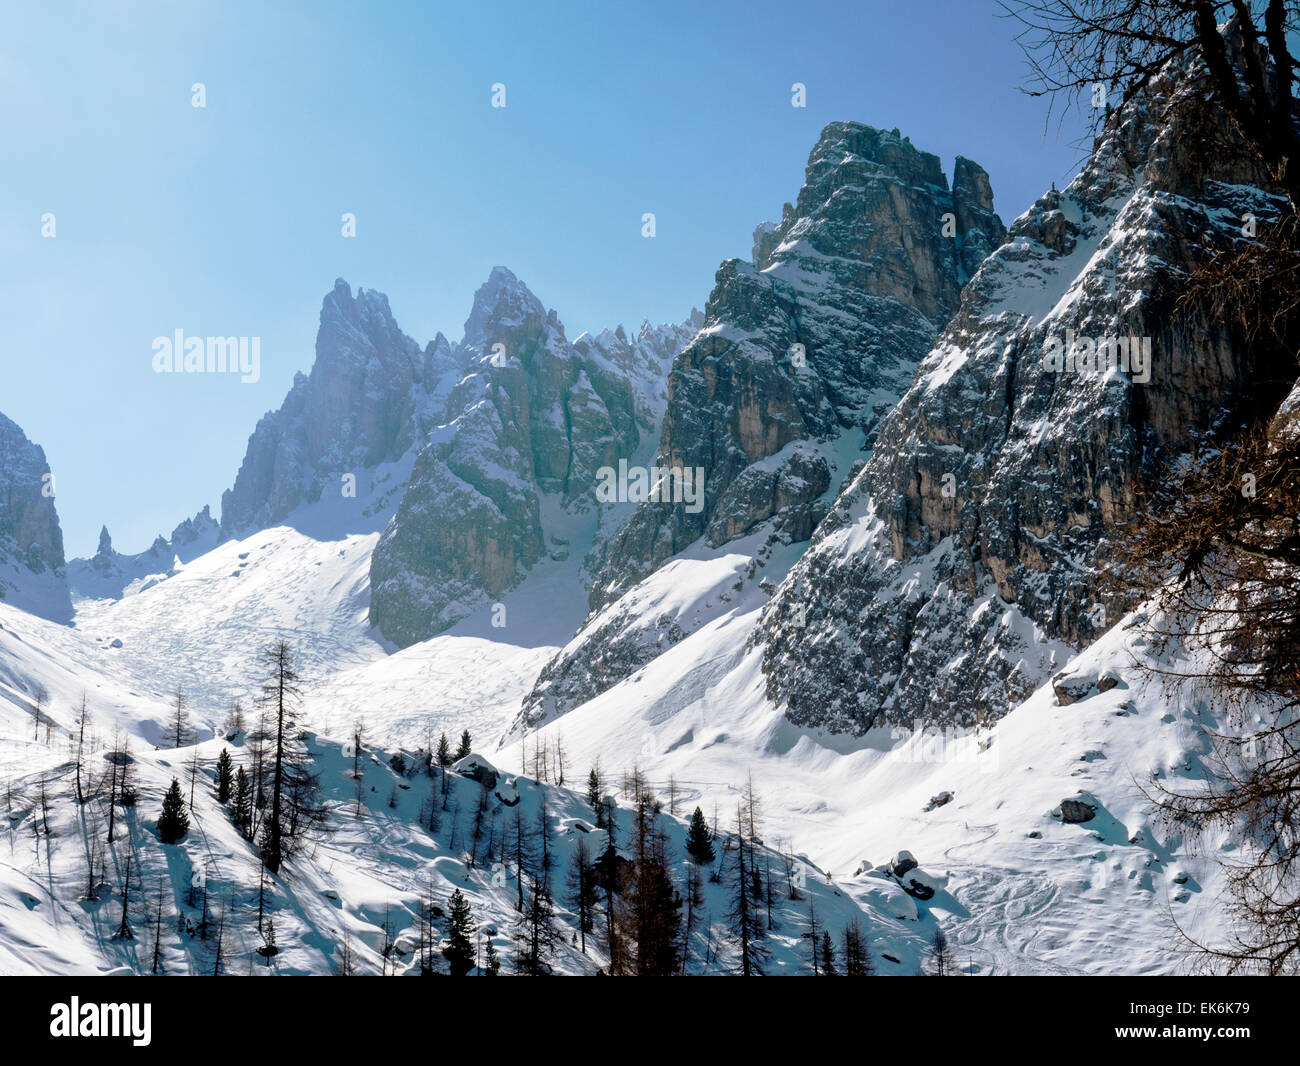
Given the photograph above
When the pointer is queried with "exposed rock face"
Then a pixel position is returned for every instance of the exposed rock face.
(512, 417)
(955, 573)
(31, 542)
(533, 416)
(816, 338)
(859, 273)
(368, 396)
(29, 524)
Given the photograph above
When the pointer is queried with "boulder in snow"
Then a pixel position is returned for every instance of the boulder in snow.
(477, 768)
(903, 862)
(1073, 687)
(919, 884)
(1077, 810)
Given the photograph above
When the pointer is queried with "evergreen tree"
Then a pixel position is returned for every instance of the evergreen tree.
(241, 810)
(491, 960)
(699, 840)
(593, 791)
(828, 955)
(225, 776)
(173, 823)
(294, 788)
(444, 752)
(459, 951)
(652, 902)
(465, 745)
(746, 924)
(583, 891)
(268, 948)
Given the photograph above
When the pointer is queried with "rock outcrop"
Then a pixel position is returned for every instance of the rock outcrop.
(534, 416)
(31, 542)
(962, 566)
(803, 351)
(369, 396)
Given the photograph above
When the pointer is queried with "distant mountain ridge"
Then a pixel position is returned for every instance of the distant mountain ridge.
(510, 417)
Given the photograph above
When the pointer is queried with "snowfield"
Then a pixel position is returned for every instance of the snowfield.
(1017, 889)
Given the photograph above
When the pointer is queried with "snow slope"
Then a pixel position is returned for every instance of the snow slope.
(1025, 892)
(365, 870)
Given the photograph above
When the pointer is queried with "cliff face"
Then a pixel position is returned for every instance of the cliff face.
(963, 562)
(819, 335)
(802, 353)
(369, 393)
(534, 416)
(31, 542)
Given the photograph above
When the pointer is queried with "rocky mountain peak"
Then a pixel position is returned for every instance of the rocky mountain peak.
(357, 407)
(800, 354)
(533, 416)
(962, 565)
(31, 541)
(502, 302)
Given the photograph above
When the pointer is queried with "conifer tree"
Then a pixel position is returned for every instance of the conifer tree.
(444, 752)
(293, 787)
(857, 959)
(942, 961)
(459, 951)
(535, 931)
(157, 929)
(583, 891)
(180, 727)
(491, 960)
(746, 925)
(466, 745)
(652, 902)
(699, 840)
(241, 810)
(225, 777)
(83, 716)
(593, 793)
(828, 955)
(269, 947)
(173, 823)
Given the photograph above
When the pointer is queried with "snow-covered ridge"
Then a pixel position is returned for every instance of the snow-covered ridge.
(964, 563)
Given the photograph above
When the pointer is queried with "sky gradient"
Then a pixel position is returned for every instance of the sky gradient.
(225, 220)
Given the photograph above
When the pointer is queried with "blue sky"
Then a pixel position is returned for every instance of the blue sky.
(226, 220)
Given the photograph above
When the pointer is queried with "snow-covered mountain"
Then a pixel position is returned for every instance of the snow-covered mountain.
(369, 398)
(109, 574)
(887, 607)
(964, 563)
(509, 475)
(802, 353)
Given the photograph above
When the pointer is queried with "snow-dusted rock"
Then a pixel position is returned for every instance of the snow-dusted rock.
(802, 353)
(1076, 810)
(1072, 687)
(902, 863)
(31, 542)
(963, 566)
(533, 418)
(477, 768)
